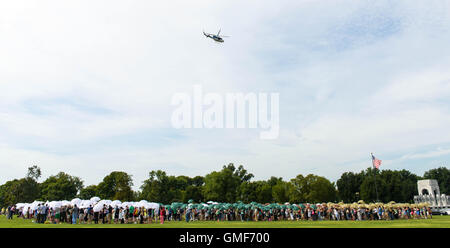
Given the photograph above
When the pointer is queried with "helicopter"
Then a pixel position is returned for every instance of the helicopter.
(216, 37)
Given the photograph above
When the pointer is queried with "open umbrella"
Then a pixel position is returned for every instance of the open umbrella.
(116, 203)
(98, 207)
(75, 201)
(20, 205)
(55, 204)
(152, 205)
(35, 204)
(105, 202)
(85, 203)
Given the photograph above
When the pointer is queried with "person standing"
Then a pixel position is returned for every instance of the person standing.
(8, 212)
(39, 213)
(75, 213)
(96, 213)
(161, 215)
(188, 215)
(121, 216)
(90, 211)
(116, 214)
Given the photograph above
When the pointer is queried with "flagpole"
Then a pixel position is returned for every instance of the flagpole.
(374, 176)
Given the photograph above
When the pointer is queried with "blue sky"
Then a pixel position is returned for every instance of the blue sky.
(85, 87)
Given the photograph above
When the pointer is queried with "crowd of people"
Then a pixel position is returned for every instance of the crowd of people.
(107, 214)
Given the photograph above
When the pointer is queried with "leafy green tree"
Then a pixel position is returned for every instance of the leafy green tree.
(160, 187)
(9, 194)
(116, 186)
(61, 186)
(34, 172)
(408, 184)
(155, 187)
(312, 189)
(14, 191)
(176, 188)
(442, 175)
(259, 191)
(224, 185)
(373, 183)
(400, 186)
(194, 190)
(247, 192)
(263, 192)
(21, 190)
(29, 185)
(349, 186)
(281, 191)
(88, 192)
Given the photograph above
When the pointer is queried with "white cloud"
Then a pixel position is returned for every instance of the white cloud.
(429, 154)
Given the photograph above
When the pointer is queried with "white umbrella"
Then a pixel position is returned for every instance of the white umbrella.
(142, 203)
(55, 204)
(148, 205)
(65, 203)
(116, 203)
(98, 207)
(95, 199)
(75, 201)
(35, 204)
(152, 205)
(20, 205)
(26, 208)
(105, 202)
(86, 203)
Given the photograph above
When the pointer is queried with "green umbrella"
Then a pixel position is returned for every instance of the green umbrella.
(176, 205)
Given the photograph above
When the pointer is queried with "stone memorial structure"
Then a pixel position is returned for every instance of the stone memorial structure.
(429, 193)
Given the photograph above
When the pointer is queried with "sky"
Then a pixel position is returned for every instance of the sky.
(86, 86)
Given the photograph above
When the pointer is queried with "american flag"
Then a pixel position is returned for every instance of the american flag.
(375, 162)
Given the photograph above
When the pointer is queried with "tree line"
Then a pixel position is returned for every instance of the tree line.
(230, 184)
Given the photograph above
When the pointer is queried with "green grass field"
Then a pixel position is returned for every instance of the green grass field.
(436, 222)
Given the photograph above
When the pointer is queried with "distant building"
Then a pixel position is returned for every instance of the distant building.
(429, 193)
